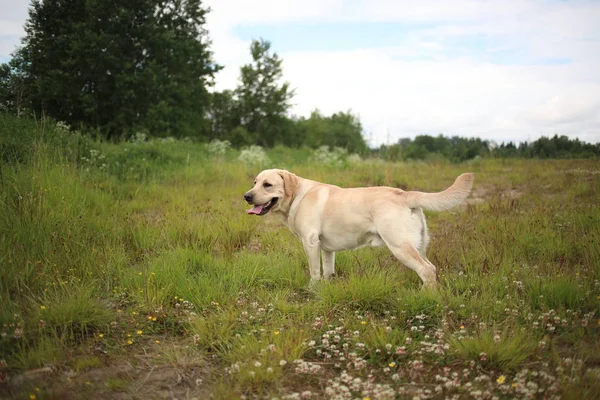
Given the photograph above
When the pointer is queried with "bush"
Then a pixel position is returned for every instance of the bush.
(254, 155)
(332, 158)
(217, 148)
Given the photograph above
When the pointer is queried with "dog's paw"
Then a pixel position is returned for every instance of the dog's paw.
(330, 277)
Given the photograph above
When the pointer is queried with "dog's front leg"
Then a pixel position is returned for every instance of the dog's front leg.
(312, 247)
(328, 264)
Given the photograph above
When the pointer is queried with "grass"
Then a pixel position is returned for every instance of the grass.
(133, 268)
(502, 351)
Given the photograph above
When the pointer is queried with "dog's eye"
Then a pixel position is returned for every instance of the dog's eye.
(267, 185)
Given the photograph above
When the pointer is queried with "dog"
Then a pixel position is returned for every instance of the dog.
(328, 218)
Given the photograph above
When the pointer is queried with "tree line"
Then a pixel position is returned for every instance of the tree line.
(117, 68)
(459, 149)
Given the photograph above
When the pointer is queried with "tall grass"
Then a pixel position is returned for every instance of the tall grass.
(142, 251)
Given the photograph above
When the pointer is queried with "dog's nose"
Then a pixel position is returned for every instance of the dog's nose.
(248, 197)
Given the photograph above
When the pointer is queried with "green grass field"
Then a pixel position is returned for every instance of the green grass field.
(133, 271)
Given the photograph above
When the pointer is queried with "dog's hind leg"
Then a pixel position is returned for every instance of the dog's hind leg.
(424, 241)
(409, 256)
(328, 263)
(406, 245)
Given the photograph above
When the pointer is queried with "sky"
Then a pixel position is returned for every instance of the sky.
(509, 70)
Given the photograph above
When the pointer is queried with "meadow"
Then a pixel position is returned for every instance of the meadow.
(131, 271)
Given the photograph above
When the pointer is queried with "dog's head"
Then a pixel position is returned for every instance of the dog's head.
(273, 189)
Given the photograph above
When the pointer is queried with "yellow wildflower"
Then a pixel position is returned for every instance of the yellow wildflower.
(501, 379)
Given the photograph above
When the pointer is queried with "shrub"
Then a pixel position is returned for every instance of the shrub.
(254, 155)
(218, 147)
(335, 157)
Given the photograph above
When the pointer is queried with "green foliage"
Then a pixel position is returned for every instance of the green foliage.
(457, 149)
(342, 130)
(554, 147)
(21, 139)
(17, 139)
(255, 113)
(224, 115)
(13, 89)
(77, 65)
(263, 101)
(454, 148)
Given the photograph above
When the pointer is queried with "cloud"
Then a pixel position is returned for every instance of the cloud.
(511, 70)
(14, 14)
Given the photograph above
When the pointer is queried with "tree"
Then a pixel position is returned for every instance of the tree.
(263, 100)
(13, 87)
(342, 129)
(119, 65)
(224, 115)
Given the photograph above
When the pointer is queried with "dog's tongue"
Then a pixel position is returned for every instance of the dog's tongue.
(255, 210)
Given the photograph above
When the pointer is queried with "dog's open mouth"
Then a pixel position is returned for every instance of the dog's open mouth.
(262, 210)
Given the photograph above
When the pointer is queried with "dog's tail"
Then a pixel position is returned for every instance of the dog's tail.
(453, 196)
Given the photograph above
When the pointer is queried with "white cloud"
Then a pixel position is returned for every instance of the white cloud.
(14, 14)
(468, 96)
(11, 28)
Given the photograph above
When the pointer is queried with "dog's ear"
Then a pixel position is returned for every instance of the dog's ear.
(290, 182)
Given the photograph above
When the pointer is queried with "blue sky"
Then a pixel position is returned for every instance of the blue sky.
(500, 70)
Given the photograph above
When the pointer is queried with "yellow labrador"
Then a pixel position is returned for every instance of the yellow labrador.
(328, 218)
